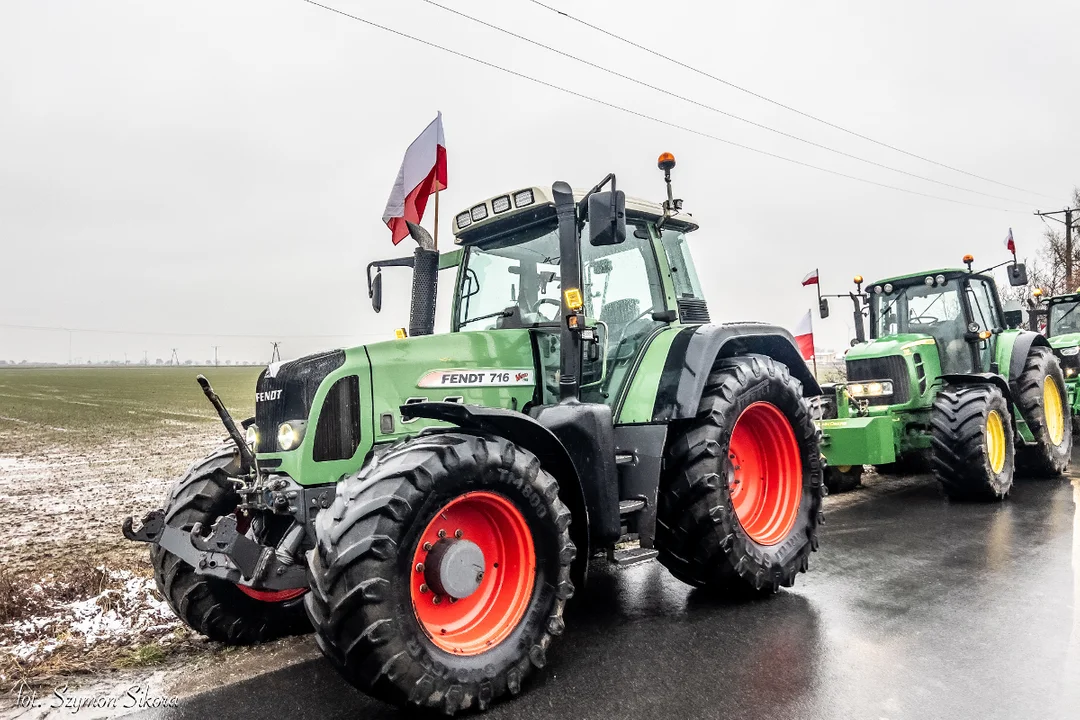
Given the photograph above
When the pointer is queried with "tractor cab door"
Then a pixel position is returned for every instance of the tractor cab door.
(984, 311)
(622, 290)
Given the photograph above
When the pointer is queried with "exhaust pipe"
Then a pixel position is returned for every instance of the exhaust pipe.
(425, 282)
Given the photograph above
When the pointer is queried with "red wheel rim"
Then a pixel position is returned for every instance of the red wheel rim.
(272, 596)
(766, 489)
(485, 618)
(268, 596)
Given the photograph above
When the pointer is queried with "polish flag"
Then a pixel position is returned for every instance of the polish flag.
(1009, 243)
(804, 335)
(811, 278)
(423, 171)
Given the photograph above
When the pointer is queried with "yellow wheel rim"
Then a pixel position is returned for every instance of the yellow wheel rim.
(1053, 410)
(995, 441)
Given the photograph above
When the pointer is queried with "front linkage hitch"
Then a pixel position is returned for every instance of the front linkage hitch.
(226, 553)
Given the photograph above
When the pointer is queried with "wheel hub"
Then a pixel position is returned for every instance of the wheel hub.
(454, 568)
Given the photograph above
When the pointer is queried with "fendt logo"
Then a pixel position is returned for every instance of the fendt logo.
(480, 377)
(267, 396)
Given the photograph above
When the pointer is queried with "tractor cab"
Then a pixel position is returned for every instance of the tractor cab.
(1063, 332)
(510, 279)
(960, 312)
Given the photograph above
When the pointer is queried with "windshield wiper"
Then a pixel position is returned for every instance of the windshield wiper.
(501, 313)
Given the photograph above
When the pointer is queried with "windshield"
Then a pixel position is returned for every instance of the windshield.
(518, 277)
(1064, 318)
(918, 309)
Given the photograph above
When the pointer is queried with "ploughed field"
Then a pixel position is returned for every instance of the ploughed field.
(80, 449)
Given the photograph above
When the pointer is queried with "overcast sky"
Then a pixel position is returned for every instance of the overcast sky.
(221, 167)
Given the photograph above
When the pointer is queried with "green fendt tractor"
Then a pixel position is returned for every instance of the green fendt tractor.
(433, 501)
(1063, 332)
(942, 379)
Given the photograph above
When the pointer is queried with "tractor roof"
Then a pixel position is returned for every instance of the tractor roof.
(534, 204)
(920, 277)
(1069, 298)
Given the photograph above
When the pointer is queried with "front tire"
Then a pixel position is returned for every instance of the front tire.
(215, 608)
(373, 589)
(972, 439)
(740, 498)
(843, 478)
(1042, 399)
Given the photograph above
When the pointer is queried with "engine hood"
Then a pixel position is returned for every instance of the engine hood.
(891, 345)
(1063, 341)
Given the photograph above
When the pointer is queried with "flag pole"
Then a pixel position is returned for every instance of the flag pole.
(813, 343)
(436, 219)
(818, 284)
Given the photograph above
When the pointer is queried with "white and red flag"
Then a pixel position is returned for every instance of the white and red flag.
(811, 278)
(1009, 242)
(804, 335)
(423, 171)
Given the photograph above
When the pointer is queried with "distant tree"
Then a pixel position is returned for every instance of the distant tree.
(159, 361)
(228, 362)
(1047, 271)
(189, 362)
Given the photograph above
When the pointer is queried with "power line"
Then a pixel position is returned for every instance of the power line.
(176, 334)
(714, 109)
(779, 104)
(644, 116)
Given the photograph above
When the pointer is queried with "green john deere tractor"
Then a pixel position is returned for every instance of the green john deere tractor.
(1063, 332)
(433, 501)
(941, 382)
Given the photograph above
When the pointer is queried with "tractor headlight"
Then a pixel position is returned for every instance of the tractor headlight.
(877, 289)
(873, 388)
(290, 434)
(252, 436)
(1074, 350)
(930, 280)
(940, 280)
(523, 198)
(888, 288)
(500, 204)
(464, 220)
(479, 212)
(973, 327)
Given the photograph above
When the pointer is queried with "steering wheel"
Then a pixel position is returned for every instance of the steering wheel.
(924, 320)
(547, 301)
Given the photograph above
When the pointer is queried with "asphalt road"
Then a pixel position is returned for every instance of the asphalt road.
(915, 607)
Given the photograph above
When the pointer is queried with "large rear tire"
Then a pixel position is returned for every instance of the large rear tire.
(972, 439)
(740, 497)
(215, 608)
(1042, 398)
(395, 523)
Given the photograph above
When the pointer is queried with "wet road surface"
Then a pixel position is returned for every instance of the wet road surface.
(915, 607)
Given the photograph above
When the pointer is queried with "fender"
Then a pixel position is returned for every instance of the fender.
(523, 430)
(1020, 349)
(694, 350)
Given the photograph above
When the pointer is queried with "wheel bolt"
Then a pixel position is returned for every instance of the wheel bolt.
(427, 547)
(423, 588)
(453, 600)
(436, 600)
(442, 533)
(419, 567)
(458, 533)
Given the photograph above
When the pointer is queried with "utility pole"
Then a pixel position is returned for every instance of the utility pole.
(1068, 213)
(145, 359)
(175, 359)
(215, 354)
(276, 355)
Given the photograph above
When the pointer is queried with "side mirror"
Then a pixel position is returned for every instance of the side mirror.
(607, 218)
(375, 293)
(1018, 274)
(823, 308)
(1014, 318)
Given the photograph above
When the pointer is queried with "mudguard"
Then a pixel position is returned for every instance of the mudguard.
(540, 441)
(694, 350)
(1020, 349)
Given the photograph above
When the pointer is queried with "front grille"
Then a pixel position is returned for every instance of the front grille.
(891, 367)
(289, 393)
(338, 433)
(693, 311)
